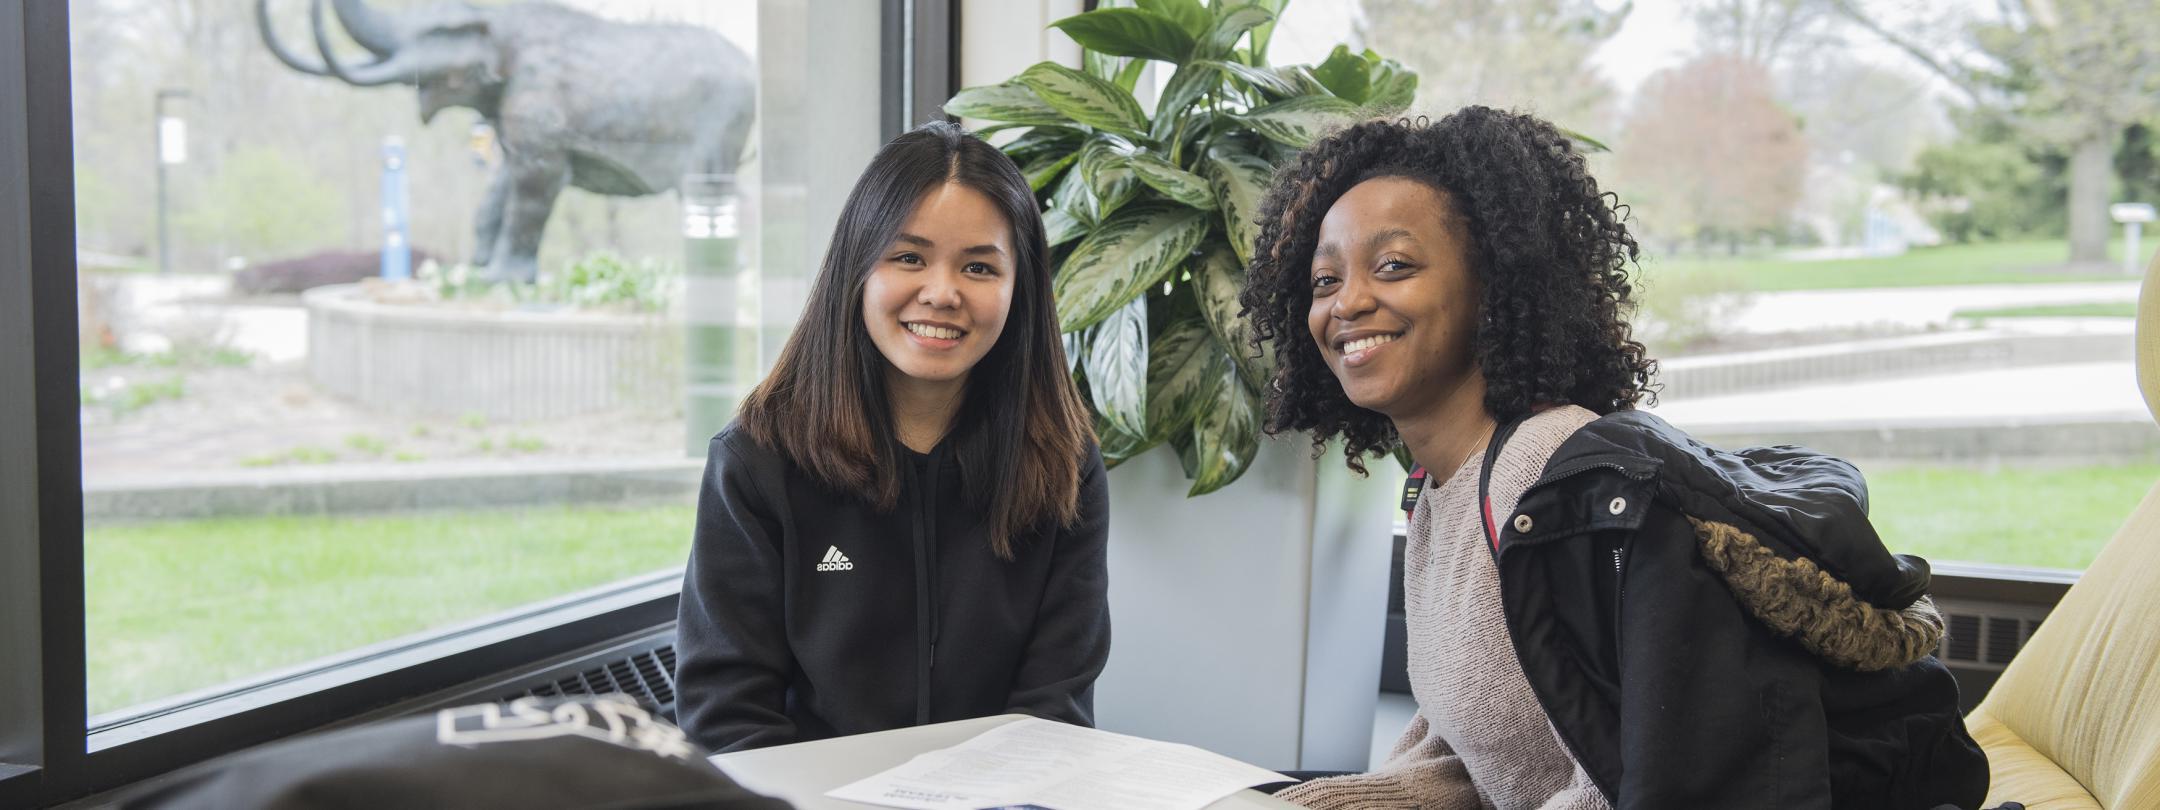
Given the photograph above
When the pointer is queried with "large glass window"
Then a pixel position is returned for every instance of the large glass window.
(397, 316)
(1879, 228)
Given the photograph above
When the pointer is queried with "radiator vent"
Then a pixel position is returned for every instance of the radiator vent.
(647, 675)
(1986, 635)
(1962, 643)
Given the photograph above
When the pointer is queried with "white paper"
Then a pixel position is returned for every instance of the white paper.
(1050, 764)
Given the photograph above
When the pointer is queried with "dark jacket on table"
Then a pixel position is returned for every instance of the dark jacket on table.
(1710, 629)
(806, 613)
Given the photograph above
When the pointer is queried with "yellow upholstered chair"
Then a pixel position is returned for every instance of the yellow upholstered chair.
(2075, 720)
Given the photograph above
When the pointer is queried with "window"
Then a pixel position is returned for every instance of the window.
(1847, 248)
(398, 337)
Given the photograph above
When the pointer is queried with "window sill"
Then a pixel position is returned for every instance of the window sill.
(19, 785)
(2001, 583)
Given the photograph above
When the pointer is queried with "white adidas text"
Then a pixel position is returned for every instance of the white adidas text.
(835, 561)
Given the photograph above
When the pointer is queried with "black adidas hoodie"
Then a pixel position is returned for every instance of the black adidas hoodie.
(806, 613)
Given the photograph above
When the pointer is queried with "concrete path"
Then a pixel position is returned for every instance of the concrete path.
(1909, 307)
(2035, 394)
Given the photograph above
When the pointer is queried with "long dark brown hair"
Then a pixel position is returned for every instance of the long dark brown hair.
(1021, 432)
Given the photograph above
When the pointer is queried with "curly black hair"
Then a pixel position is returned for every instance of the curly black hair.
(1550, 250)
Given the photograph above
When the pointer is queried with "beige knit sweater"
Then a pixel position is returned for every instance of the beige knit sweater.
(1480, 738)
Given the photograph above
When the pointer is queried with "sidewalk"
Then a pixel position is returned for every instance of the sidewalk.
(2078, 392)
(1910, 307)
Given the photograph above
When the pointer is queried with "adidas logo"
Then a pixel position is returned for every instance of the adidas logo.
(835, 561)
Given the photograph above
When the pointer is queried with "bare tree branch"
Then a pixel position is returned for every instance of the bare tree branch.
(1957, 77)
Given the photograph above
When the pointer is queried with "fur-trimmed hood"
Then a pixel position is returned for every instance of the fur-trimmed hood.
(1787, 529)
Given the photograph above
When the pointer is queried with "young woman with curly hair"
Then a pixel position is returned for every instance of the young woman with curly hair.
(1602, 611)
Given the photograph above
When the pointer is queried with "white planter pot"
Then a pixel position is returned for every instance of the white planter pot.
(1249, 621)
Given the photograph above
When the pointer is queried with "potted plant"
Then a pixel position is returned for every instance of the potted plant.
(1248, 622)
(1150, 214)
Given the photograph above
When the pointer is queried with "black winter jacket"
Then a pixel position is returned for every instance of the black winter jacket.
(806, 613)
(1711, 629)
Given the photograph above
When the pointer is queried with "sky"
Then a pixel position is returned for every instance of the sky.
(1658, 34)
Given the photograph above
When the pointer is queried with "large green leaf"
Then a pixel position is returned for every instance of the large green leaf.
(1129, 32)
(1046, 169)
(1266, 81)
(1186, 87)
(1117, 445)
(1075, 199)
(1240, 179)
(1110, 176)
(1076, 344)
(1175, 183)
(1086, 99)
(1117, 367)
(1181, 441)
(1217, 278)
(1230, 23)
(1010, 103)
(1225, 433)
(1130, 252)
(1393, 87)
(1102, 65)
(1182, 362)
(1060, 227)
(1042, 141)
(1189, 14)
(1300, 121)
(1344, 74)
(1302, 77)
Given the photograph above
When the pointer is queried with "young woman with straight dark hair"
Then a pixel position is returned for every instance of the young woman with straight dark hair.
(905, 523)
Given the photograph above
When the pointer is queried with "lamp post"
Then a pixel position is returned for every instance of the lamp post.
(171, 151)
(720, 311)
(2132, 216)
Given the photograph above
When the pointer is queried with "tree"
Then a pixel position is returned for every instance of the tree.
(1989, 184)
(2070, 73)
(1709, 153)
(1531, 54)
(1763, 32)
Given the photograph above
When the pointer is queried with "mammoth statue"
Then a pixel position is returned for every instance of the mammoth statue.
(609, 107)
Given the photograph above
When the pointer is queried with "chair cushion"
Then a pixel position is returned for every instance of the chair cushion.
(2017, 773)
(2085, 692)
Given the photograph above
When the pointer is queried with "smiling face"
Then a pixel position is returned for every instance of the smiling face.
(1394, 303)
(937, 299)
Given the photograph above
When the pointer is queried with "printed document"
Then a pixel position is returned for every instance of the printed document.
(1044, 763)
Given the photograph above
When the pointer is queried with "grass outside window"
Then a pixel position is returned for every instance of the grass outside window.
(182, 605)
(178, 606)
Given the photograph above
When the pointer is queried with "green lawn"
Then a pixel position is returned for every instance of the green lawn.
(178, 606)
(2045, 517)
(2037, 262)
(2114, 309)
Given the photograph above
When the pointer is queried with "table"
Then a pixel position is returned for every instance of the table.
(801, 773)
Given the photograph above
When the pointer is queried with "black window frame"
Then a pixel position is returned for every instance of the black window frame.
(921, 62)
(49, 751)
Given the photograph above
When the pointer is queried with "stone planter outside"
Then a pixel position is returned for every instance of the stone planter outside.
(443, 360)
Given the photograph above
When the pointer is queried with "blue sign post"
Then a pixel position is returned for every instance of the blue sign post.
(397, 236)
